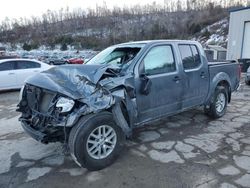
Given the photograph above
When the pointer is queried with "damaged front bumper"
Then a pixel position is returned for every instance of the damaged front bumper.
(51, 106)
(37, 135)
(48, 116)
(43, 133)
(41, 118)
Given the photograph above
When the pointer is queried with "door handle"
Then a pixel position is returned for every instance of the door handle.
(202, 74)
(11, 73)
(176, 79)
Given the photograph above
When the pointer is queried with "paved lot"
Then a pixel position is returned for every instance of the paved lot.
(187, 150)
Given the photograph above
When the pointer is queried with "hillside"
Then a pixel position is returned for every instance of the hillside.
(95, 29)
(214, 34)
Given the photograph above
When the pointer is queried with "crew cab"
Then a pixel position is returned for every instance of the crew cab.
(95, 107)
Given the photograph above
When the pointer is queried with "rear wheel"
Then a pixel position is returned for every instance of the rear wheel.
(247, 82)
(96, 141)
(218, 105)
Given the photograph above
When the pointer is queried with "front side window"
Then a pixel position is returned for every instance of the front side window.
(159, 60)
(190, 56)
(7, 66)
(27, 65)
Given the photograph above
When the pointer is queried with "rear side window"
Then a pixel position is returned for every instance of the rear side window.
(159, 60)
(27, 65)
(7, 66)
(190, 56)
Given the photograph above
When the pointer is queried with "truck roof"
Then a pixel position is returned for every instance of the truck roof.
(156, 41)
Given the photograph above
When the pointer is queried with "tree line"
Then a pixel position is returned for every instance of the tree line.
(101, 27)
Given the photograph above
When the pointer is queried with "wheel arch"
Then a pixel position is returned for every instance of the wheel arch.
(121, 117)
(221, 79)
(226, 85)
(76, 142)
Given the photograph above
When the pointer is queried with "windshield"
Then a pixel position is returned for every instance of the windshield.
(118, 56)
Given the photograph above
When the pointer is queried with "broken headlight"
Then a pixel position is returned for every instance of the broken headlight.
(65, 104)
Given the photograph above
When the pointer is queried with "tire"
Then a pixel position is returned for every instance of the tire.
(218, 105)
(247, 82)
(81, 141)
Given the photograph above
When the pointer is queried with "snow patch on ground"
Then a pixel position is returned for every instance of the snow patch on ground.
(54, 160)
(27, 148)
(74, 171)
(94, 176)
(163, 145)
(25, 164)
(10, 126)
(148, 136)
(163, 157)
(244, 180)
(35, 173)
(137, 153)
(229, 170)
(208, 142)
(186, 150)
(227, 185)
(243, 162)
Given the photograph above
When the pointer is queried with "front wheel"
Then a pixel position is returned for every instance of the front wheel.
(96, 141)
(218, 105)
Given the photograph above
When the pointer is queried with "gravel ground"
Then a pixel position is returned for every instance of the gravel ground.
(186, 150)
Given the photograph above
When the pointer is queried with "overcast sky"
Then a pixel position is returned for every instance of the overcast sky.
(28, 8)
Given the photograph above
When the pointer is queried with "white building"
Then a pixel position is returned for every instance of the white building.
(238, 46)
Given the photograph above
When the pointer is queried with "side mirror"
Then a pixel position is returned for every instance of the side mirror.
(145, 84)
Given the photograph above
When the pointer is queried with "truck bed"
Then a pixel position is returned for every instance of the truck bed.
(229, 67)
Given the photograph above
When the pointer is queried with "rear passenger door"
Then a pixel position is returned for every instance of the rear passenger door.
(196, 75)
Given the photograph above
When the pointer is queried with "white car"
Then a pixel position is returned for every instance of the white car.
(13, 72)
(247, 79)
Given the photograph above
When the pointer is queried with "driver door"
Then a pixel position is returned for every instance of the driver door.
(159, 73)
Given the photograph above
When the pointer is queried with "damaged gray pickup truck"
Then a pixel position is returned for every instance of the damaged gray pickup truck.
(93, 108)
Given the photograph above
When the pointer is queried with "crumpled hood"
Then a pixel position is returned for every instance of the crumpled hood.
(69, 80)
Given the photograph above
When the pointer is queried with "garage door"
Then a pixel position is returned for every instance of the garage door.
(246, 41)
